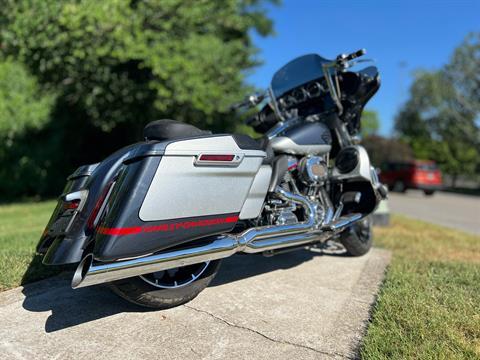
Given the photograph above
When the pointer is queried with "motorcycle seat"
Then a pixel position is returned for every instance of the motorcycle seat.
(166, 129)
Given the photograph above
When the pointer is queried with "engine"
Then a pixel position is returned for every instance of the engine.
(305, 176)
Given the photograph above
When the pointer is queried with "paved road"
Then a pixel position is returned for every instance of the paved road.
(452, 210)
(301, 305)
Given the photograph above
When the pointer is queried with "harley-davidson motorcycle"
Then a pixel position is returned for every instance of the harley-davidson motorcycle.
(154, 219)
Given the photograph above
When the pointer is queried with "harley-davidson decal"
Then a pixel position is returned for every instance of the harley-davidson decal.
(166, 227)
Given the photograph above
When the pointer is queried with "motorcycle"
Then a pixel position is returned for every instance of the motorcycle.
(154, 219)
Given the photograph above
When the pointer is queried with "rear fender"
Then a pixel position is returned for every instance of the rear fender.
(66, 245)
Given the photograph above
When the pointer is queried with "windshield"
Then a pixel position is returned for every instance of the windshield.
(297, 72)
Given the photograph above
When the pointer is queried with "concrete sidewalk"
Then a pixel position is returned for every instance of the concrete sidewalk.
(301, 305)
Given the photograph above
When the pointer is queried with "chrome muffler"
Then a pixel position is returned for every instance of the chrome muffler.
(253, 240)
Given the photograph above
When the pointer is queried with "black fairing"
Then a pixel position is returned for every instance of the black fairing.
(357, 89)
(310, 133)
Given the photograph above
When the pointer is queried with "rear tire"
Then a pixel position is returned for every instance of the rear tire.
(429, 192)
(138, 291)
(399, 186)
(358, 239)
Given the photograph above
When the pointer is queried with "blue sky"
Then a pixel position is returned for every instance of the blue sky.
(422, 34)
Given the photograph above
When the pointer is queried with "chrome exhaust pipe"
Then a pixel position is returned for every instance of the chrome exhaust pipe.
(253, 240)
(92, 273)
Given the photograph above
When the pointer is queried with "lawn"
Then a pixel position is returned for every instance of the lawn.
(428, 307)
(20, 228)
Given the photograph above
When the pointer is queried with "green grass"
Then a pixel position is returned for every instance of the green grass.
(429, 305)
(21, 226)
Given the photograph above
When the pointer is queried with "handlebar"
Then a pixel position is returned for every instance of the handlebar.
(249, 101)
(356, 54)
(343, 59)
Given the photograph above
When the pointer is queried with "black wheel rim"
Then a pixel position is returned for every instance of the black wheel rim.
(177, 277)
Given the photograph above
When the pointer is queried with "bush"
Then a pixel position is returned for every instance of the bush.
(23, 109)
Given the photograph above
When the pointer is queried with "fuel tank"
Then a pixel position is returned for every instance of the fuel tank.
(307, 138)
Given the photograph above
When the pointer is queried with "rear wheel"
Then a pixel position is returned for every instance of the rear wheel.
(168, 288)
(358, 239)
(429, 192)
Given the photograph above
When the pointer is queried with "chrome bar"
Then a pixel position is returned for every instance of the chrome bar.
(343, 222)
(91, 273)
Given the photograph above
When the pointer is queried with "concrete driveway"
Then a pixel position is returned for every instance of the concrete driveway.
(452, 210)
(302, 305)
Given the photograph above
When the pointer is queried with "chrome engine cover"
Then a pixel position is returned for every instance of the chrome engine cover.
(313, 170)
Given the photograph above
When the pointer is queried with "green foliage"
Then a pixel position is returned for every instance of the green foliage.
(440, 120)
(114, 66)
(22, 104)
(134, 61)
(24, 108)
(370, 123)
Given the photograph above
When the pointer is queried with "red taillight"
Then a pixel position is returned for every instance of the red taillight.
(71, 205)
(205, 157)
(98, 206)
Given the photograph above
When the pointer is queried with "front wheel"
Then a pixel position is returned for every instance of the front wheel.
(358, 239)
(168, 288)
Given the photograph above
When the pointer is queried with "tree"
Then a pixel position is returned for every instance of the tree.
(22, 104)
(440, 119)
(132, 61)
(23, 108)
(382, 150)
(116, 65)
(370, 123)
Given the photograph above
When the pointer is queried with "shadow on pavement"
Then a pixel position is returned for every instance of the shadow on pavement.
(71, 307)
(242, 266)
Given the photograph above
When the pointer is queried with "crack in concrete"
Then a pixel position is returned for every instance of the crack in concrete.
(285, 342)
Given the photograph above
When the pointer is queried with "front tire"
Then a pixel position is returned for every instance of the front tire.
(141, 291)
(358, 239)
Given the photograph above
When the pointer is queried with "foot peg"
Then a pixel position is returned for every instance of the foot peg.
(342, 222)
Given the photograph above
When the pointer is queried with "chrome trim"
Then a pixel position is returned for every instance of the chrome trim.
(328, 206)
(77, 195)
(253, 240)
(343, 222)
(285, 145)
(235, 162)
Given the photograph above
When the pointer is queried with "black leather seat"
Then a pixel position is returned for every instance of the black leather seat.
(170, 129)
(166, 129)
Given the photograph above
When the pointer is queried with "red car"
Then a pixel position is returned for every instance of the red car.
(417, 174)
